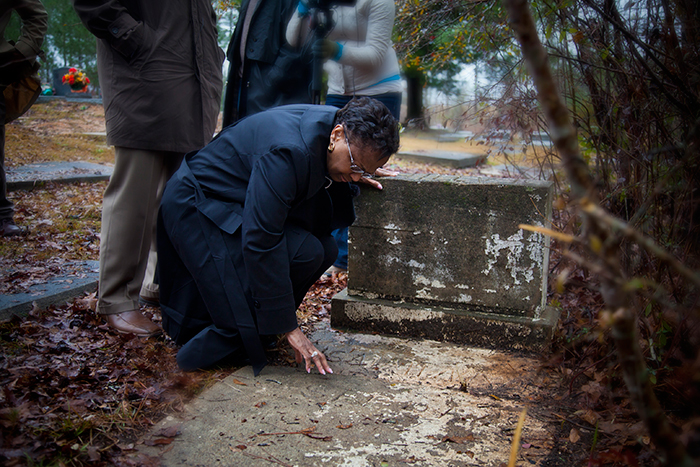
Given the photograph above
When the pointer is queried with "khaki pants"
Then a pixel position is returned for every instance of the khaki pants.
(127, 241)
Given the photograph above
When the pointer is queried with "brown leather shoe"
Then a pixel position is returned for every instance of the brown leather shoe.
(8, 228)
(133, 322)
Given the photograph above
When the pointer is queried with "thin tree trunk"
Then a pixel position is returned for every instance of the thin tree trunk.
(618, 300)
(414, 95)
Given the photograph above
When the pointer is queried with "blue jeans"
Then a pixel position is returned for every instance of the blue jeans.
(341, 239)
(392, 100)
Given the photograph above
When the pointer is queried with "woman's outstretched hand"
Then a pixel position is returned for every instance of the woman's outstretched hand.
(305, 350)
(381, 172)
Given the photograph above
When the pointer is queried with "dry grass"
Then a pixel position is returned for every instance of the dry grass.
(58, 131)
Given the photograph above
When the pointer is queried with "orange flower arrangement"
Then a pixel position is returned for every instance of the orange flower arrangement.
(77, 79)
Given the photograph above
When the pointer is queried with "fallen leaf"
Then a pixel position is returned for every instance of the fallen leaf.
(344, 427)
(588, 416)
(158, 441)
(93, 453)
(171, 431)
(609, 427)
(241, 383)
(574, 435)
(457, 439)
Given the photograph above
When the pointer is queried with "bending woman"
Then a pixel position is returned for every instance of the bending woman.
(244, 226)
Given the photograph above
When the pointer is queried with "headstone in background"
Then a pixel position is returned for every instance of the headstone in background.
(443, 257)
(542, 138)
(61, 89)
(457, 160)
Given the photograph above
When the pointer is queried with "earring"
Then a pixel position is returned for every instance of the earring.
(331, 146)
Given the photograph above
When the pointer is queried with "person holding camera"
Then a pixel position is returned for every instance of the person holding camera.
(360, 60)
(17, 60)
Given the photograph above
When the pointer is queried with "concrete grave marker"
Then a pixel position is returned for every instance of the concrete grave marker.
(442, 257)
(458, 160)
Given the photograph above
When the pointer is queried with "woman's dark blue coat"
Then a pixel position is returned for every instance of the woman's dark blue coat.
(229, 220)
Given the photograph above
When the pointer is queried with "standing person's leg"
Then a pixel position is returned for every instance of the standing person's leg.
(7, 224)
(392, 101)
(337, 100)
(340, 235)
(149, 288)
(341, 239)
(129, 208)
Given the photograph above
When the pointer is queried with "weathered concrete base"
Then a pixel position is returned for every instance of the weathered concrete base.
(486, 330)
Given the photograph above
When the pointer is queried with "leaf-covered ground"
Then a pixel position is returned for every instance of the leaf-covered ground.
(76, 393)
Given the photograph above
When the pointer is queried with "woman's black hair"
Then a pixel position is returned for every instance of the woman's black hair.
(370, 126)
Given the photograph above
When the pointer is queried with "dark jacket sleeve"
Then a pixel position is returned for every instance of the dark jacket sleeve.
(34, 25)
(115, 22)
(276, 182)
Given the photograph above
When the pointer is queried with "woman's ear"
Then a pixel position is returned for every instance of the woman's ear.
(338, 133)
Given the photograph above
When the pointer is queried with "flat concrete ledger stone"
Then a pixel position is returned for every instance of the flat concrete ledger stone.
(453, 241)
(78, 278)
(27, 176)
(458, 160)
(486, 330)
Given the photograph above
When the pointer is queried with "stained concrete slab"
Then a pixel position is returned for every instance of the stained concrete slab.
(390, 402)
(30, 175)
(75, 279)
(457, 160)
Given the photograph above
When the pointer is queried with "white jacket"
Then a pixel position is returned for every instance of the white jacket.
(368, 57)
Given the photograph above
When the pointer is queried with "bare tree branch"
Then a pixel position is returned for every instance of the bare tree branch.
(603, 240)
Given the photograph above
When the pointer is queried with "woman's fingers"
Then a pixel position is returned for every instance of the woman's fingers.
(305, 350)
(320, 361)
(382, 172)
(372, 182)
(322, 364)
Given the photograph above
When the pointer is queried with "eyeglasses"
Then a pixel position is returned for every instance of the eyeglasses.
(354, 167)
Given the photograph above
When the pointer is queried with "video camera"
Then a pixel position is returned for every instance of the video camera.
(321, 24)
